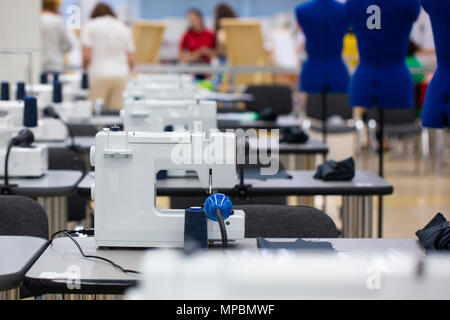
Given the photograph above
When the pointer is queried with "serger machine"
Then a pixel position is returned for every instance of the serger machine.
(29, 162)
(157, 115)
(126, 165)
(48, 129)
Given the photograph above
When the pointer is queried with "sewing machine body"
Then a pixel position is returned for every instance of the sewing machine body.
(48, 129)
(126, 165)
(72, 108)
(27, 162)
(156, 116)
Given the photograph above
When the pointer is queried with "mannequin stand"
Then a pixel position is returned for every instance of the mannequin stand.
(325, 115)
(380, 169)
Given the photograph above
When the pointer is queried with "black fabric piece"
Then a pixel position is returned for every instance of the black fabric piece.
(294, 135)
(300, 244)
(436, 234)
(336, 171)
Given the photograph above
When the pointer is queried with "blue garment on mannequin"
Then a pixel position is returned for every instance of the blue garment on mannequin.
(436, 109)
(324, 23)
(382, 78)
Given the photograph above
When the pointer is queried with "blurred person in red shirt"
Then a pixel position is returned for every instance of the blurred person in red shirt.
(198, 43)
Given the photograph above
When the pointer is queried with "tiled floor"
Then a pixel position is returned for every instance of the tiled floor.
(417, 198)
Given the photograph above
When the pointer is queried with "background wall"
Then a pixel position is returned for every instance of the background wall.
(273, 15)
(20, 30)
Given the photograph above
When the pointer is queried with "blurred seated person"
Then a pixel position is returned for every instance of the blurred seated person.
(222, 11)
(413, 63)
(197, 44)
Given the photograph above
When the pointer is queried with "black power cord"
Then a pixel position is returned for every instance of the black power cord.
(50, 112)
(6, 173)
(88, 232)
(24, 138)
(223, 230)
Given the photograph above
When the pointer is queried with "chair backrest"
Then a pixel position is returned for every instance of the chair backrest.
(83, 130)
(273, 221)
(338, 104)
(148, 37)
(64, 159)
(245, 47)
(277, 97)
(20, 216)
(392, 116)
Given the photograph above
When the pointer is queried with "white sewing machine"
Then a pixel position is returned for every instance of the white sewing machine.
(162, 91)
(126, 165)
(157, 115)
(23, 162)
(69, 109)
(48, 129)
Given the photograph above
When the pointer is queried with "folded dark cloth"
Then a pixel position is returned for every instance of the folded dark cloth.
(300, 244)
(436, 234)
(294, 135)
(336, 171)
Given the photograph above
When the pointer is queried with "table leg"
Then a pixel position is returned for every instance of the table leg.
(303, 162)
(13, 294)
(56, 208)
(357, 217)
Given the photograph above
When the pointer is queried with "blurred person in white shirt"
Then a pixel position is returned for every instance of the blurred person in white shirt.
(108, 56)
(55, 37)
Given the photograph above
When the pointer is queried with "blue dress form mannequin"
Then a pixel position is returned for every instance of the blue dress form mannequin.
(382, 78)
(324, 23)
(436, 110)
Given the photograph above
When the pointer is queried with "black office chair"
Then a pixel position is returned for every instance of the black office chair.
(274, 221)
(399, 125)
(21, 216)
(64, 159)
(337, 105)
(276, 97)
(81, 130)
(398, 122)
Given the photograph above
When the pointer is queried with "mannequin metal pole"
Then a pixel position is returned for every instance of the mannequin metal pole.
(324, 115)
(381, 170)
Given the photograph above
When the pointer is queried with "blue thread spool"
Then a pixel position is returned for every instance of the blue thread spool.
(44, 78)
(55, 77)
(84, 81)
(195, 229)
(218, 201)
(30, 113)
(57, 92)
(21, 91)
(5, 91)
